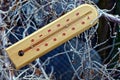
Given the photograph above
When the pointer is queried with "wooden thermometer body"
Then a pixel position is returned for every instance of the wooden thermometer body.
(52, 35)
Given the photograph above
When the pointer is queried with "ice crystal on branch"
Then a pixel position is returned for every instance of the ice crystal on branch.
(76, 59)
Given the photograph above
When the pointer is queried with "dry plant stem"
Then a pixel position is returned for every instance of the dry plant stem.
(85, 56)
(110, 17)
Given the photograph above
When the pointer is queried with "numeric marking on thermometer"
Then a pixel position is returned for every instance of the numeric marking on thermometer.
(77, 14)
(52, 35)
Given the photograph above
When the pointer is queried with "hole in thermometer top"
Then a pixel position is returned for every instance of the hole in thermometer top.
(52, 35)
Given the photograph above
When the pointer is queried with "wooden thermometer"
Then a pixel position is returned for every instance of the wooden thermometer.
(52, 35)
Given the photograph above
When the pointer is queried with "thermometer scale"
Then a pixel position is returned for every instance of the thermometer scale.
(52, 35)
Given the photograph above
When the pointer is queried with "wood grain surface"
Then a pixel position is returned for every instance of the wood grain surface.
(52, 35)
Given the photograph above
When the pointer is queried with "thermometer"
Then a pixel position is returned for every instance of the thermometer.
(52, 35)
